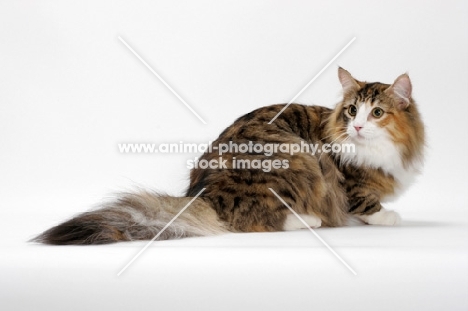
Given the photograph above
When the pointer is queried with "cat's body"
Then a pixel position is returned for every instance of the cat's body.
(380, 120)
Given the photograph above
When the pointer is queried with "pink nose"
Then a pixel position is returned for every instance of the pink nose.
(358, 128)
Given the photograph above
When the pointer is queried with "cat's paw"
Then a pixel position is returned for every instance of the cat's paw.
(294, 223)
(382, 217)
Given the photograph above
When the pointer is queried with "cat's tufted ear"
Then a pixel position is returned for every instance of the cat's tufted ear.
(400, 90)
(347, 81)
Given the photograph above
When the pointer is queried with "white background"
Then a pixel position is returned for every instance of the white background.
(70, 91)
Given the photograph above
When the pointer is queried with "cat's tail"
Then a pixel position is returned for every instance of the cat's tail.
(137, 216)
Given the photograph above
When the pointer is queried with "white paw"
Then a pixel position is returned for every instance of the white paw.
(382, 217)
(292, 222)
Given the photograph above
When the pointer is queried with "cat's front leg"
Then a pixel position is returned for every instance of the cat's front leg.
(368, 209)
(382, 217)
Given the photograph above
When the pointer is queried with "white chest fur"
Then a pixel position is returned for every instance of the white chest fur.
(386, 157)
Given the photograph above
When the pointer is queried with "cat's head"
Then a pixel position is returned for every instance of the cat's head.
(377, 117)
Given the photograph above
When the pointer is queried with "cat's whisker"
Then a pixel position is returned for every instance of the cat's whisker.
(330, 136)
(331, 143)
(338, 128)
(341, 142)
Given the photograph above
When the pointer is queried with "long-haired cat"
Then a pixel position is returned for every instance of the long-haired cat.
(326, 189)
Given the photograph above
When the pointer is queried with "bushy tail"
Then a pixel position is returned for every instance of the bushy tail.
(137, 216)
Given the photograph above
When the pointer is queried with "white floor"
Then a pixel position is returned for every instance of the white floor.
(421, 265)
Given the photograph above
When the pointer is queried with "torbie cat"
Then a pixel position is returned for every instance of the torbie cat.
(326, 189)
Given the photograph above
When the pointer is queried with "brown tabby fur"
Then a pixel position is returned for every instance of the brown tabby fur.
(242, 198)
(239, 200)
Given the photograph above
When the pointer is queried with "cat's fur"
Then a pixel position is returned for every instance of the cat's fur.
(325, 189)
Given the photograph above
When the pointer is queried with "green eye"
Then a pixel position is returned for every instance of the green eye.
(352, 110)
(377, 112)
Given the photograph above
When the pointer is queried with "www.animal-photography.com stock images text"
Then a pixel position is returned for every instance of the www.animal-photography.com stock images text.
(234, 155)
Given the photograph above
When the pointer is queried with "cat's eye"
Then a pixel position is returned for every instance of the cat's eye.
(352, 110)
(377, 112)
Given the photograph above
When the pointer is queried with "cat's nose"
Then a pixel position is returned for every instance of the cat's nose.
(358, 128)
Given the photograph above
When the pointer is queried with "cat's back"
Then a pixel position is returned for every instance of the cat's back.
(278, 123)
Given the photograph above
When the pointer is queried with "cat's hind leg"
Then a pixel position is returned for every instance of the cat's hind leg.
(292, 222)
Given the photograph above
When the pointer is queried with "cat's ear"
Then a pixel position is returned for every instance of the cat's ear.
(347, 81)
(400, 90)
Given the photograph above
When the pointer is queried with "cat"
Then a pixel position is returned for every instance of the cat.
(380, 120)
